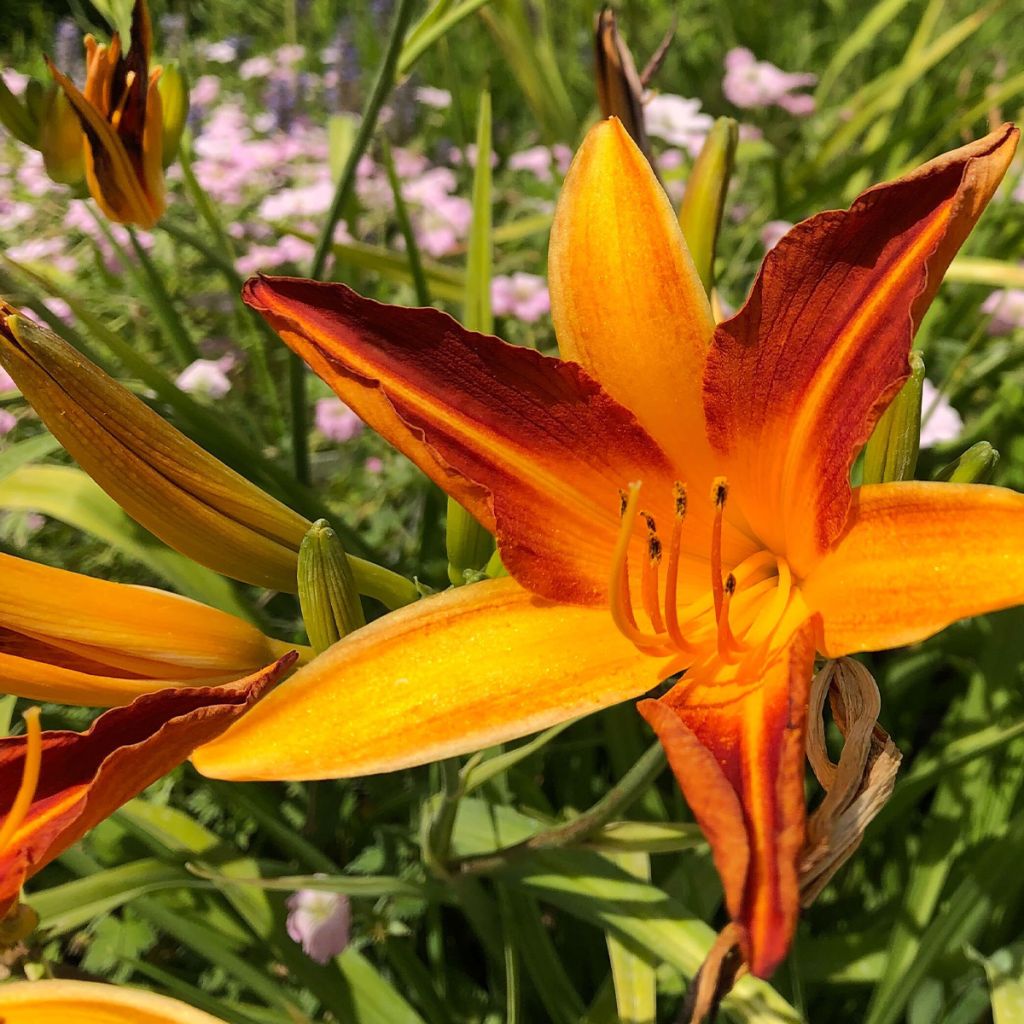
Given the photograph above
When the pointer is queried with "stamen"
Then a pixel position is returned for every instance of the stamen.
(649, 581)
(672, 576)
(29, 779)
(719, 492)
(727, 644)
(620, 599)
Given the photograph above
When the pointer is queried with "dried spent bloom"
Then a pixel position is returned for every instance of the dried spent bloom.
(320, 922)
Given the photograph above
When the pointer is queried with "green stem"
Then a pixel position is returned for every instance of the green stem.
(439, 830)
(412, 250)
(297, 402)
(617, 800)
(163, 304)
(378, 94)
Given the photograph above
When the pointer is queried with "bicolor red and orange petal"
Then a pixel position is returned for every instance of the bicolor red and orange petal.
(797, 379)
(72, 639)
(55, 787)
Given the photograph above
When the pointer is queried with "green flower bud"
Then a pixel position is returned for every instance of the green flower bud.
(977, 465)
(469, 545)
(327, 588)
(61, 140)
(700, 215)
(891, 453)
(173, 88)
(37, 98)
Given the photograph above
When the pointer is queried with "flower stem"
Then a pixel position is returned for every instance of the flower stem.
(620, 797)
(438, 834)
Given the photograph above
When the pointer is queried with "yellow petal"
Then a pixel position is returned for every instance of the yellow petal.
(625, 298)
(458, 672)
(916, 557)
(87, 1002)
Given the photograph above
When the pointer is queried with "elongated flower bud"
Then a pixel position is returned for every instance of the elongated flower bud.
(891, 453)
(700, 214)
(619, 89)
(189, 499)
(173, 88)
(327, 589)
(977, 465)
(61, 141)
(469, 545)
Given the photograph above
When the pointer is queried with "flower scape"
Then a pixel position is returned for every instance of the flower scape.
(364, 637)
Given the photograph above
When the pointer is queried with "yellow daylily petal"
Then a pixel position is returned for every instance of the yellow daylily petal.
(916, 557)
(87, 1002)
(77, 640)
(458, 672)
(626, 300)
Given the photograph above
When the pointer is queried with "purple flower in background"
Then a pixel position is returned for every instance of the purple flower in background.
(940, 422)
(8, 421)
(677, 121)
(772, 233)
(752, 83)
(439, 99)
(1006, 307)
(290, 53)
(207, 377)
(520, 295)
(336, 421)
(320, 922)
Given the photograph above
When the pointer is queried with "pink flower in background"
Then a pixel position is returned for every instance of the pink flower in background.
(752, 83)
(320, 922)
(14, 213)
(205, 90)
(439, 99)
(536, 160)
(8, 421)
(373, 465)
(520, 295)
(677, 121)
(290, 53)
(288, 249)
(1006, 307)
(256, 67)
(772, 233)
(59, 308)
(207, 377)
(52, 251)
(32, 175)
(219, 52)
(443, 224)
(336, 421)
(1018, 192)
(940, 422)
(310, 200)
(14, 80)
(563, 157)
(6, 382)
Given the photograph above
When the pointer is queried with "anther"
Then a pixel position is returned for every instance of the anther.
(727, 644)
(623, 502)
(649, 581)
(29, 779)
(679, 492)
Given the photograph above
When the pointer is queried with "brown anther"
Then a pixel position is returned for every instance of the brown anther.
(654, 548)
(730, 584)
(719, 491)
(623, 502)
(679, 492)
(652, 527)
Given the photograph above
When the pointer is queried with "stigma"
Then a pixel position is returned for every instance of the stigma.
(737, 612)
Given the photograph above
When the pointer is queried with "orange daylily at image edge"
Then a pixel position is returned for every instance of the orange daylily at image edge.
(669, 497)
(121, 115)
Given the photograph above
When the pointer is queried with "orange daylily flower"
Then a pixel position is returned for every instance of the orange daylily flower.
(122, 120)
(55, 786)
(72, 639)
(88, 1002)
(737, 548)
